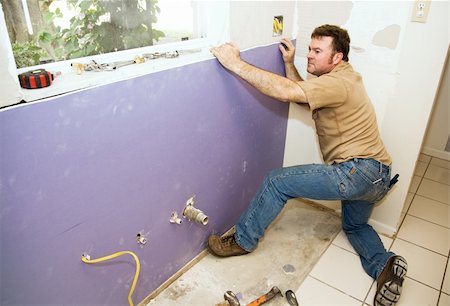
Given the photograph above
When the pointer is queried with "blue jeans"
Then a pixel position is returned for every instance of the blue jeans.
(358, 183)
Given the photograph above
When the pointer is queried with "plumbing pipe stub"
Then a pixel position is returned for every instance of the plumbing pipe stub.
(195, 215)
(174, 218)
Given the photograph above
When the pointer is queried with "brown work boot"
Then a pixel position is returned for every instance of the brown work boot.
(390, 281)
(225, 246)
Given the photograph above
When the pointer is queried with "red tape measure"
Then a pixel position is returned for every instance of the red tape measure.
(33, 79)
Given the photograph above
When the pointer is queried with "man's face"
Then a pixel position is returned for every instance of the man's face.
(321, 57)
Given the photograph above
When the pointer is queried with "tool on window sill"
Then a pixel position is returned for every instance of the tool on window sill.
(38, 78)
(169, 54)
(232, 300)
(94, 66)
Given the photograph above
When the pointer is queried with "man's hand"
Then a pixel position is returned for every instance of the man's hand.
(228, 55)
(287, 50)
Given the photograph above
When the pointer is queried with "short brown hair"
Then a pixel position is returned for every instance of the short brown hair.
(341, 39)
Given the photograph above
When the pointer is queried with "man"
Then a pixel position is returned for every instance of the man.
(357, 165)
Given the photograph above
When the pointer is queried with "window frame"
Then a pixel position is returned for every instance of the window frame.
(211, 23)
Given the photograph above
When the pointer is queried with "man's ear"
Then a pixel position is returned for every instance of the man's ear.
(337, 57)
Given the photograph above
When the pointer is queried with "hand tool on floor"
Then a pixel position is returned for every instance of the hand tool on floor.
(291, 298)
(232, 300)
(266, 297)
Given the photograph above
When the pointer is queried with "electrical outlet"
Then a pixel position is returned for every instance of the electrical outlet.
(277, 25)
(420, 10)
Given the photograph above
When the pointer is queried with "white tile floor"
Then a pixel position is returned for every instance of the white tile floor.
(423, 239)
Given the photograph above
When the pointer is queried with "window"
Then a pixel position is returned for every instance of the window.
(43, 31)
(54, 34)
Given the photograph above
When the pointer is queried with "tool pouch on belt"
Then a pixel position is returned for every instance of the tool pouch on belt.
(33, 79)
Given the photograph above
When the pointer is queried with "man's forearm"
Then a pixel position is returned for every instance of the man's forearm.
(292, 72)
(271, 84)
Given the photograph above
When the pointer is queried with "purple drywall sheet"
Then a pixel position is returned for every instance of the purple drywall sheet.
(87, 171)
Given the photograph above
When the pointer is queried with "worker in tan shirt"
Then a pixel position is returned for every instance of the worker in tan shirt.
(357, 168)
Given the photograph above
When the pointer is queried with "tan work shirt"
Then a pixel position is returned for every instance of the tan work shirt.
(344, 116)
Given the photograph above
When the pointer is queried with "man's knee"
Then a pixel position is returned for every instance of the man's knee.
(350, 228)
(273, 176)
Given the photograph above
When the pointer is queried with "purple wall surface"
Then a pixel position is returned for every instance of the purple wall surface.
(87, 171)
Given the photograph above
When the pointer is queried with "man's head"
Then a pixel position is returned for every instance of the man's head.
(329, 46)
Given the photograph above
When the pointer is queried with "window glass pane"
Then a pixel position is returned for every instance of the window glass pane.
(175, 20)
(44, 31)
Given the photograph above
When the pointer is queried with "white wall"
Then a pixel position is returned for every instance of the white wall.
(420, 65)
(401, 63)
(438, 131)
(251, 21)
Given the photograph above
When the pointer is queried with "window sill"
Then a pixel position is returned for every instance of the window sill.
(69, 80)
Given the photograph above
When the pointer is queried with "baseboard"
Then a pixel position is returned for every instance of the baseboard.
(382, 228)
(436, 153)
(173, 278)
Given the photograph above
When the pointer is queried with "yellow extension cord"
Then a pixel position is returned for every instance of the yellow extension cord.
(115, 255)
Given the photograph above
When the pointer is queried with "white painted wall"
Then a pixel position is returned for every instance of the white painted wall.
(251, 21)
(439, 126)
(421, 60)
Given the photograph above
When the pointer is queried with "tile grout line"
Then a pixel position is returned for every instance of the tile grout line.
(443, 280)
(407, 213)
(430, 179)
(434, 181)
(413, 197)
(403, 221)
(428, 221)
(422, 283)
(434, 223)
(339, 290)
(342, 248)
(434, 200)
(422, 247)
(370, 287)
(423, 196)
(439, 166)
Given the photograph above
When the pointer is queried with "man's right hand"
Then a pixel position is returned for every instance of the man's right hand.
(228, 55)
